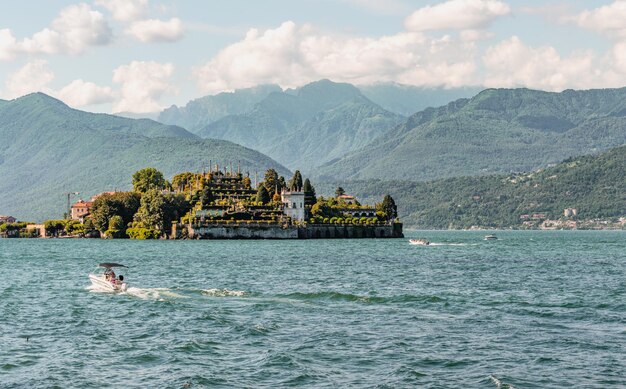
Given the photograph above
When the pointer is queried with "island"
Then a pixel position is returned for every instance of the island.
(219, 204)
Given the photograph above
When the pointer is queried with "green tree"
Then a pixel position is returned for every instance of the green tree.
(388, 208)
(247, 183)
(182, 180)
(147, 179)
(281, 184)
(296, 181)
(339, 192)
(117, 228)
(262, 195)
(54, 227)
(309, 193)
(324, 208)
(206, 197)
(151, 212)
(176, 206)
(116, 223)
(124, 204)
(271, 181)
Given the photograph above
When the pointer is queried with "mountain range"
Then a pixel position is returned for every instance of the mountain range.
(49, 149)
(330, 131)
(305, 127)
(498, 130)
(403, 100)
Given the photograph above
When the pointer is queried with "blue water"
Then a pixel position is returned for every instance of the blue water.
(531, 310)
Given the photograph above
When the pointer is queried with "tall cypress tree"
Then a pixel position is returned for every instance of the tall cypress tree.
(271, 180)
(296, 181)
(262, 195)
(389, 208)
(309, 193)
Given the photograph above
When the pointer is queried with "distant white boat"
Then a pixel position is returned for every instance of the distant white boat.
(419, 241)
(104, 278)
(491, 237)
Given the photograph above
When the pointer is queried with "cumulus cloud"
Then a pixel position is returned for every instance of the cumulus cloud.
(292, 55)
(142, 85)
(124, 10)
(32, 77)
(36, 76)
(457, 14)
(609, 19)
(377, 6)
(76, 28)
(8, 45)
(153, 30)
(511, 63)
(80, 93)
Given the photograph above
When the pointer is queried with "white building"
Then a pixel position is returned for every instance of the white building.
(293, 204)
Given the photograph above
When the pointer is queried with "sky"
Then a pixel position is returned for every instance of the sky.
(142, 56)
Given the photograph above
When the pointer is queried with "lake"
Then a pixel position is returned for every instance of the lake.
(532, 309)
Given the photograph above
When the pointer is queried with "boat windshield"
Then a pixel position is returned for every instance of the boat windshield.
(101, 269)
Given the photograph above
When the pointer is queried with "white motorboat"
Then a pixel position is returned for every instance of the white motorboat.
(104, 278)
(419, 241)
(491, 237)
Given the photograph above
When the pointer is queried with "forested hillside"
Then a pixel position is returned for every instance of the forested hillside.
(594, 185)
(48, 149)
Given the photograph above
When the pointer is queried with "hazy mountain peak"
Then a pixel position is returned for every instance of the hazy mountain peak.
(326, 85)
(39, 97)
(202, 111)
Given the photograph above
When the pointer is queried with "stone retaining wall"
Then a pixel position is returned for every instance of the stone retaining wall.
(311, 231)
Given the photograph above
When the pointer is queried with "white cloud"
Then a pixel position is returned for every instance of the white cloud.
(76, 28)
(291, 55)
(475, 35)
(81, 93)
(153, 30)
(457, 14)
(8, 45)
(619, 57)
(609, 19)
(32, 77)
(142, 85)
(377, 6)
(124, 10)
(36, 76)
(511, 63)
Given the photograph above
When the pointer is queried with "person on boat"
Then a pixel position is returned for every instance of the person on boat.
(109, 275)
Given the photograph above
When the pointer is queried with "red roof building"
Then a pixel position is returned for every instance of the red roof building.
(7, 219)
(81, 209)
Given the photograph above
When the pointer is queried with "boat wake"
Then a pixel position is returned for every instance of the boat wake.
(454, 244)
(162, 294)
(499, 384)
(223, 293)
(152, 293)
(142, 293)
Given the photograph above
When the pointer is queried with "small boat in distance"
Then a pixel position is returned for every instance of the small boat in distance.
(419, 241)
(104, 278)
(491, 237)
